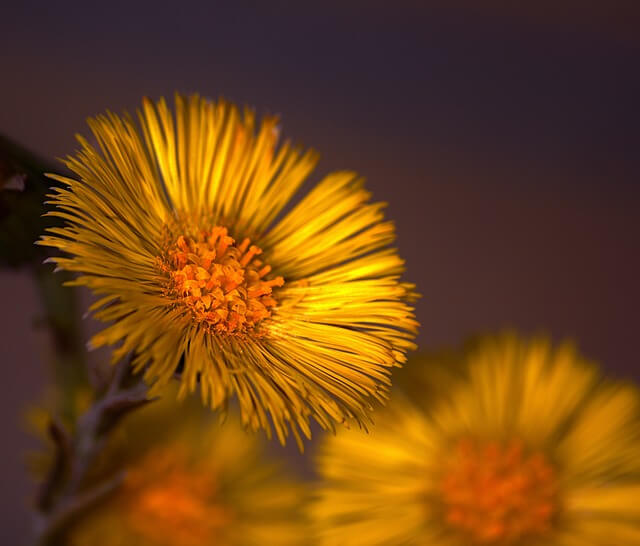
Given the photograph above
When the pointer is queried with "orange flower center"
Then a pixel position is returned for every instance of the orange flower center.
(223, 284)
(497, 494)
(167, 504)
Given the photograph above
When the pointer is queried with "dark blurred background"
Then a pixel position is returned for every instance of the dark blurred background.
(505, 138)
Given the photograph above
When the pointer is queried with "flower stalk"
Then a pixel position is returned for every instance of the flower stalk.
(63, 495)
(23, 189)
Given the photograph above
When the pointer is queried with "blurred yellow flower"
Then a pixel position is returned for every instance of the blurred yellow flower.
(525, 446)
(190, 481)
(182, 226)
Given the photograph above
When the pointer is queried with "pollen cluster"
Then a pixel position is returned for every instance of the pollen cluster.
(223, 284)
(498, 494)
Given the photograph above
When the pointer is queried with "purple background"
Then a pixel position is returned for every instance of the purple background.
(504, 138)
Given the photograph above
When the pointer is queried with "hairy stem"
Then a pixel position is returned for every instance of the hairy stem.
(65, 494)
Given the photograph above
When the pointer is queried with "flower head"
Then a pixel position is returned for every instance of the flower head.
(526, 446)
(189, 481)
(181, 225)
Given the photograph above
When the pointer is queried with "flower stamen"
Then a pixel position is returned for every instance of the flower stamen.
(497, 494)
(171, 504)
(222, 284)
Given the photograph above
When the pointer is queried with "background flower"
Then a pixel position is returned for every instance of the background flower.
(524, 445)
(182, 227)
(191, 481)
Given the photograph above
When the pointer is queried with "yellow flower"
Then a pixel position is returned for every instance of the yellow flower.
(182, 225)
(190, 481)
(527, 446)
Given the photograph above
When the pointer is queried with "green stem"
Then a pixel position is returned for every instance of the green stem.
(21, 224)
(68, 354)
